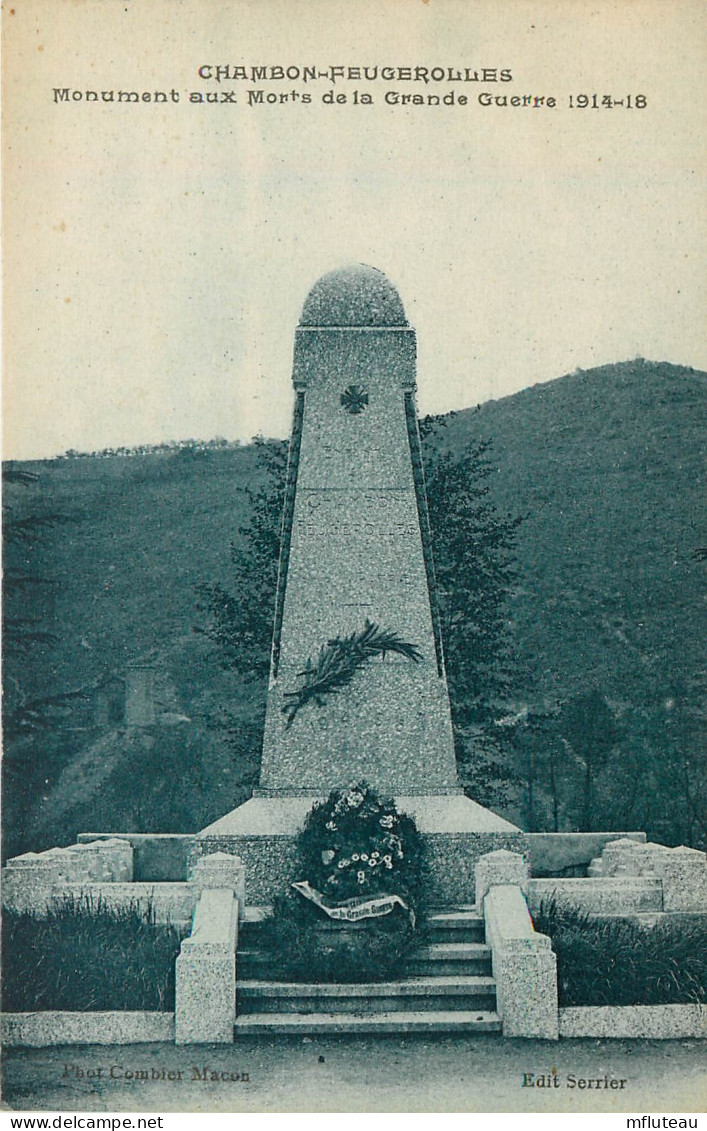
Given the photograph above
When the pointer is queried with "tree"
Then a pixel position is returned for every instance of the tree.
(588, 727)
(544, 762)
(240, 620)
(475, 565)
(22, 585)
(28, 613)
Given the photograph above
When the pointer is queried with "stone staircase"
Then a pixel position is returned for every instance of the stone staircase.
(446, 987)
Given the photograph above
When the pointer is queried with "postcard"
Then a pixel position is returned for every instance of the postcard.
(354, 557)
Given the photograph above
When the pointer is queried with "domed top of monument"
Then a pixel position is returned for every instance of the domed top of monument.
(353, 296)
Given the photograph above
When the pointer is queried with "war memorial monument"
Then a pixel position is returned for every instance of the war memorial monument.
(356, 564)
(356, 548)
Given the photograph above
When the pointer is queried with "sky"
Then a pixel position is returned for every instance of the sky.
(157, 256)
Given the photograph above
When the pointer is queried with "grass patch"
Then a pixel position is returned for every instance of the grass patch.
(620, 962)
(86, 956)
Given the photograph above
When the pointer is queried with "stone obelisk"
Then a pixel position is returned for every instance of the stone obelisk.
(355, 549)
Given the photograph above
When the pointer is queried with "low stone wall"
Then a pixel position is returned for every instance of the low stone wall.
(159, 857)
(551, 854)
(56, 1027)
(682, 871)
(652, 1022)
(30, 882)
(600, 896)
(45, 1029)
(171, 903)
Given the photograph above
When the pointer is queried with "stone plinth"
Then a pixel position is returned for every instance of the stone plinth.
(455, 831)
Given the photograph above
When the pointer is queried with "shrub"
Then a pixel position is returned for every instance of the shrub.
(621, 962)
(352, 846)
(86, 956)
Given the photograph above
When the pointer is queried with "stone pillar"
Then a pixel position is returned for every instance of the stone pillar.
(501, 867)
(683, 872)
(63, 862)
(205, 1006)
(220, 870)
(116, 859)
(86, 865)
(29, 883)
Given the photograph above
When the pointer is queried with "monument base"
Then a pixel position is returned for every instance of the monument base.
(456, 831)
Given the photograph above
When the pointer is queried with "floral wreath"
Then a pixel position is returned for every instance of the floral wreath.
(355, 845)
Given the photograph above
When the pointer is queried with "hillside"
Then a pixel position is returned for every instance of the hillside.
(120, 543)
(608, 468)
(137, 533)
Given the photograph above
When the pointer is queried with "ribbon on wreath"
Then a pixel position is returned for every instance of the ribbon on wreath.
(351, 910)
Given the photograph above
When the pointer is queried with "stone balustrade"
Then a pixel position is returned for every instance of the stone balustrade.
(101, 872)
(524, 965)
(205, 1004)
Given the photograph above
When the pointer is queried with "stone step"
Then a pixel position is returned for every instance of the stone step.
(410, 995)
(455, 926)
(452, 935)
(431, 959)
(443, 959)
(251, 924)
(460, 925)
(423, 1021)
(256, 913)
(255, 964)
(461, 918)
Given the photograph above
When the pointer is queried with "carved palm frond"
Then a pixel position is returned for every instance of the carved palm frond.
(339, 660)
